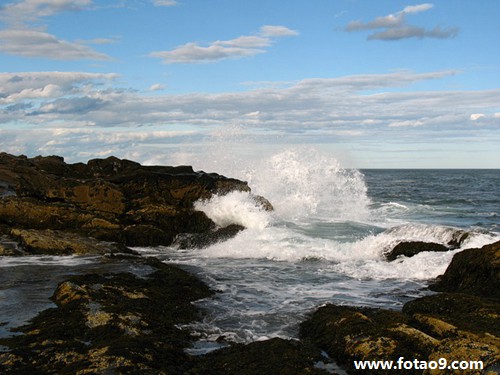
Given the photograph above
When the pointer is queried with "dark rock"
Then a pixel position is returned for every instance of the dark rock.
(53, 242)
(458, 238)
(201, 240)
(473, 271)
(465, 312)
(111, 323)
(412, 248)
(275, 356)
(455, 327)
(353, 333)
(109, 199)
(145, 235)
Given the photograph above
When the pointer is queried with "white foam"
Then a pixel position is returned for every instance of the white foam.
(47, 260)
(302, 183)
(235, 208)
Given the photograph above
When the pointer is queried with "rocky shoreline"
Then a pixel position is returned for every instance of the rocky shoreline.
(128, 321)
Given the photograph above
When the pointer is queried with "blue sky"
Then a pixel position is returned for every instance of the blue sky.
(378, 84)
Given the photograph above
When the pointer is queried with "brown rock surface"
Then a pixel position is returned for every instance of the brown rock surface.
(461, 326)
(109, 199)
(473, 271)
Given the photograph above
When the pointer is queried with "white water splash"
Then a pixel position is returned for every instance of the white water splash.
(235, 208)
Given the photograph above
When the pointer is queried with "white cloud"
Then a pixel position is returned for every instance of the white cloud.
(27, 11)
(35, 43)
(156, 87)
(23, 35)
(164, 3)
(277, 31)
(395, 27)
(476, 116)
(480, 119)
(417, 8)
(15, 87)
(93, 116)
(243, 46)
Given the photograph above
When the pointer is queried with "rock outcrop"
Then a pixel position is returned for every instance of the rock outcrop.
(411, 248)
(473, 271)
(111, 323)
(460, 326)
(108, 199)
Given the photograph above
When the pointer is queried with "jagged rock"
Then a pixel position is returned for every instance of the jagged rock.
(110, 323)
(465, 312)
(353, 333)
(454, 326)
(473, 271)
(441, 326)
(9, 247)
(201, 240)
(411, 248)
(274, 356)
(109, 199)
(60, 243)
(458, 238)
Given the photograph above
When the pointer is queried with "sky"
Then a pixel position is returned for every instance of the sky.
(376, 84)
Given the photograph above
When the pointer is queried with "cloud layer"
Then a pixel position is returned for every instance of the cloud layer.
(83, 115)
(395, 27)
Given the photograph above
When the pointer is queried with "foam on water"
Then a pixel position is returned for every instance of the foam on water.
(304, 183)
(324, 242)
(235, 208)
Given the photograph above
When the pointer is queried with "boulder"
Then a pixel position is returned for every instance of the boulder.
(441, 326)
(201, 240)
(461, 324)
(355, 333)
(473, 271)
(109, 199)
(57, 242)
(411, 248)
(274, 356)
(110, 323)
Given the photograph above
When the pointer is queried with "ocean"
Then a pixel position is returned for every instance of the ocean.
(326, 238)
(324, 242)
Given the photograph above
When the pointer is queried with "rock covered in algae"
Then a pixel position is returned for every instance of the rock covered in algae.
(108, 199)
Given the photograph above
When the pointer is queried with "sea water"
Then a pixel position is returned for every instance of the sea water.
(324, 242)
(326, 238)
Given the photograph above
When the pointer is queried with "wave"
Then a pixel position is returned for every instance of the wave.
(269, 236)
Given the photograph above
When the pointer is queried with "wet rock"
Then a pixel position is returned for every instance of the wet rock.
(458, 239)
(201, 240)
(110, 323)
(455, 327)
(61, 243)
(263, 202)
(465, 312)
(468, 327)
(411, 248)
(353, 333)
(275, 356)
(9, 247)
(109, 199)
(473, 271)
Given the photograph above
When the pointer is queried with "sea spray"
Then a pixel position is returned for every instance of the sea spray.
(326, 239)
(235, 208)
(303, 183)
